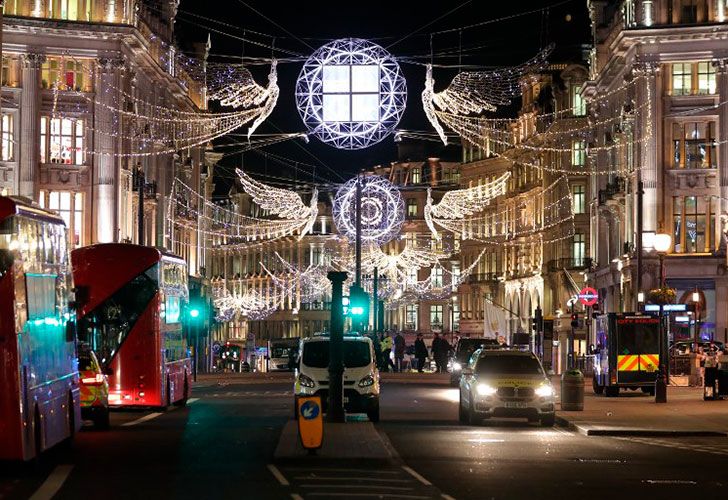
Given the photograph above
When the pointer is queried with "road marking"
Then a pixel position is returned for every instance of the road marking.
(367, 479)
(278, 475)
(374, 495)
(312, 469)
(417, 476)
(486, 440)
(446, 496)
(141, 420)
(296, 496)
(192, 400)
(358, 486)
(53, 483)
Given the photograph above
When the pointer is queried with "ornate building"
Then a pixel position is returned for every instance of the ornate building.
(76, 77)
(675, 53)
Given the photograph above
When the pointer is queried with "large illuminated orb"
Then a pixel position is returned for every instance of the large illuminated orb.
(382, 210)
(351, 93)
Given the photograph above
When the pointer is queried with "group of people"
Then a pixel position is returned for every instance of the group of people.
(386, 344)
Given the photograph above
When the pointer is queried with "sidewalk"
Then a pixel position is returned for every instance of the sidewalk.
(637, 414)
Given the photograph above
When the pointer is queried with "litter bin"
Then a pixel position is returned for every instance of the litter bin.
(572, 391)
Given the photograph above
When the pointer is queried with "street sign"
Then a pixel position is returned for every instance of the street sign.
(666, 307)
(588, 296)
(310, 421)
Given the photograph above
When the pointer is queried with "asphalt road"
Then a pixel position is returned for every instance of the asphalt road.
(221, 446)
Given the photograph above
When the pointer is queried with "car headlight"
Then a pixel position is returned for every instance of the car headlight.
(366, 381)
(457, 366)
(545, 391)
(305, 381)
(486, 390)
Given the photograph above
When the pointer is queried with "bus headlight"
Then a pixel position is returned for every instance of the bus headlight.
(545, 391)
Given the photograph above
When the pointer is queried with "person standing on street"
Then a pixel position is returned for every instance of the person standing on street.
(386, 346)
(399, 347)
(420, 353)
(440, 348)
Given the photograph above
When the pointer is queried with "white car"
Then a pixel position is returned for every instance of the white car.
(361, 376)
(505, 383)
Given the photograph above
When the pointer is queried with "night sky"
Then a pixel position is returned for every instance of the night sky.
(297, 32)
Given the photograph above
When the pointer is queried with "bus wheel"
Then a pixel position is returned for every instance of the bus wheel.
(611, 391)
(186, 388)
(598, 389)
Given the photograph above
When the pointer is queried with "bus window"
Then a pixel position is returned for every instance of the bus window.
(106, 327)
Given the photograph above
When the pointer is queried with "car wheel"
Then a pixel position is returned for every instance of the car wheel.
(462, 414)
(473, 418)
(373, 413)
(598, 389)
(611, 391)
(548, 420)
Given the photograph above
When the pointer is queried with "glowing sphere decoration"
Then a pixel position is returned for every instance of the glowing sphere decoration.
(351, 93)
(382, 210)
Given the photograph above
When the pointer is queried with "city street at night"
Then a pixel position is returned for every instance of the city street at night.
(222, 446)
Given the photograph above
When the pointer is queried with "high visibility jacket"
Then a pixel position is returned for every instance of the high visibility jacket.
(386, 343)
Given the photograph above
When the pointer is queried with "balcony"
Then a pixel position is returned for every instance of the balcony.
(570, 264)
(612, 190)
(480, 278)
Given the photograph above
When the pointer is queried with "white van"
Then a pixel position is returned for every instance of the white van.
(361, 376)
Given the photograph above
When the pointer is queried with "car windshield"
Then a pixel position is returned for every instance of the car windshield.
(508, 365)
(356, 354)
(466, 347)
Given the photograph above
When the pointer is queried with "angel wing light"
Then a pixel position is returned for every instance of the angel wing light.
(244, 92)
(460, 203)
(474, 92)
(282, 202)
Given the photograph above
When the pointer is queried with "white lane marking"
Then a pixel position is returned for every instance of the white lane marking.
(143, 419)
(278, 475)
(416, 475)
(53, 483)
(371, 495)
(446, 496)
(367, 479)
(358, 486)
(486, 440)
(192, 400)
(296, 496)
(366, 471)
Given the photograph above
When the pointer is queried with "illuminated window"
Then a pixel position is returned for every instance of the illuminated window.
(455, 315)
(682, 77)
(350, 93)
(411, 317)
(578, 153)
(7, 72)
(436, 277)
(578, 105)
(411, 207)
(64, 74)
(412, 276)
(436, 315)
(578, 251)
(62, 140)
(694, 145)
(706, 78)
(8, 150)
(693, 224)
(578, 198)
(69, 206)
(416, 176)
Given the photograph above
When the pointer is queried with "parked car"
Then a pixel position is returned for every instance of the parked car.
(682, 347)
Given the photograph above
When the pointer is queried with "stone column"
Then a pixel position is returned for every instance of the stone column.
(106, 128)
(721, 69)
(29, 164)
(649, 152)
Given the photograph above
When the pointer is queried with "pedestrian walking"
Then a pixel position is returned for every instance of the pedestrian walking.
(399, 348)
(420, 352)
(440, 350)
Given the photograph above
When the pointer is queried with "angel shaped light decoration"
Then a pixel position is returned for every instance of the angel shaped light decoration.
(474, 92)
(244, 92)
(282, 202)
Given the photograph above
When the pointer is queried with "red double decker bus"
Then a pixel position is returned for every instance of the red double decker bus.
(131, 300)
(39, 384)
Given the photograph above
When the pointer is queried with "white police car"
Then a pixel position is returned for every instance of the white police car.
(505, 383)
(361, 376)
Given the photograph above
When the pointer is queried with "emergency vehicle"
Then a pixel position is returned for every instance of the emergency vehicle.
(627, 353)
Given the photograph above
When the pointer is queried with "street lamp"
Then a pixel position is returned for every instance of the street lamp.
(696, 304)
(662, 243)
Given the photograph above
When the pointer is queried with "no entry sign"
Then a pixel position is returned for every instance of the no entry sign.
(588, 296)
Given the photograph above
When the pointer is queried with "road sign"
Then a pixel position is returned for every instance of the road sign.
(310, 421)
(588, 296)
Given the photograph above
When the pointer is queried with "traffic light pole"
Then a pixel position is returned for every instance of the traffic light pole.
(375, 300)
(357, 243)
(336, 349)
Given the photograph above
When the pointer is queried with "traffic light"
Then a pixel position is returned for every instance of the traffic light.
(575, 320)
(358, 303)
(537, 321)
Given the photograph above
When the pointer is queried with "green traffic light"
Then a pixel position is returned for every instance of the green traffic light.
(194, 313)
(357, 310)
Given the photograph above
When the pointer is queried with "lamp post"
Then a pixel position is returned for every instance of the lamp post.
(662, 244)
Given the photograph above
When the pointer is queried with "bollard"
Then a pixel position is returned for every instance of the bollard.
(572, 391)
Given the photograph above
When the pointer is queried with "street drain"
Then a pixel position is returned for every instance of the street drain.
(600, 460)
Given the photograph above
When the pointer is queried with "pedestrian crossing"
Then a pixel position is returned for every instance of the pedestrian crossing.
(386, 481)
(699, 447)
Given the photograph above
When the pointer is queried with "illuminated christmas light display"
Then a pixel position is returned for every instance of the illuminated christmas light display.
(382, 209)
(351, 93)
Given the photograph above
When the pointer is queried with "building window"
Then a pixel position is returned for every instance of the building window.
(455, 270)
(416, 176)
(578, 105)
(578, 153)
(410, 239)
(64, 74)
(693, 223)
(69, 206)
(689, 11)
(436, 277)
(7, 72)
(411, 207)
(411, 317)
(706, 78)
(412, 276)
(350, 93)
(578, 198)
(8, 150)
(436, 316)
(61, 140)
(455, 315)
(70, 10)
(694, 145)
(578, 251)
(682, 77)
